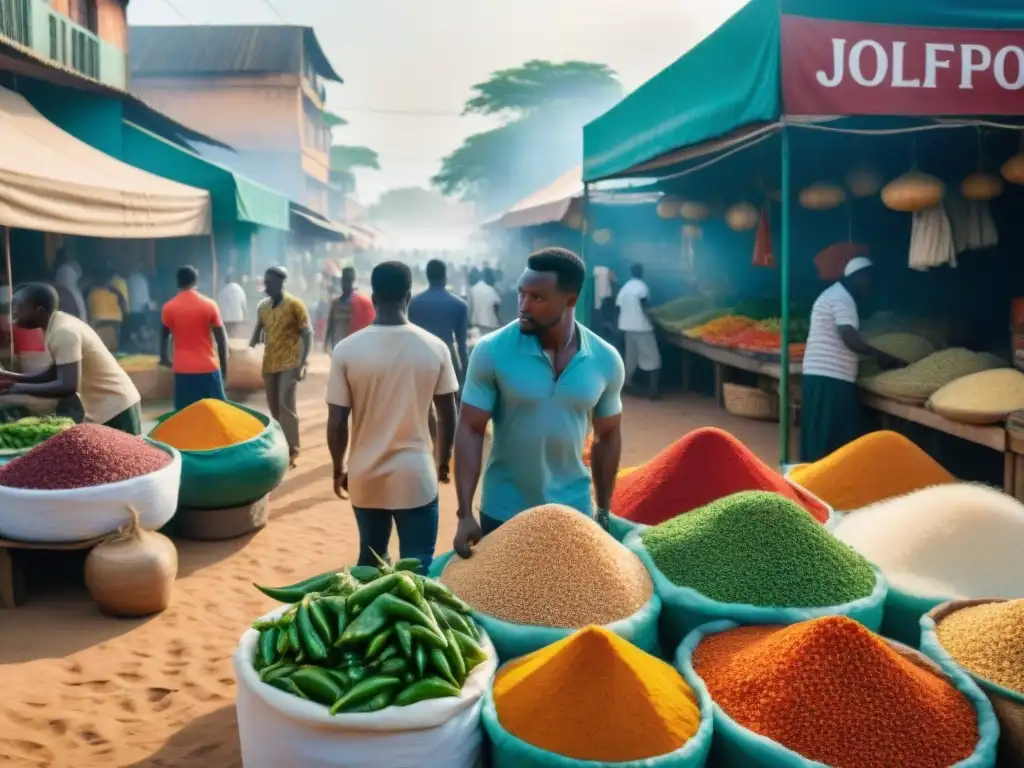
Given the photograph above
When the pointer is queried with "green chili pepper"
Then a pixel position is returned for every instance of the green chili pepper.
(356, 673)
(314, 645)
(455, 660)
(288, 686)
(472, 653)
(267, 654)
(370, 592)
(440, 662)
(439, 621)
(294, 643)
(317, 685)
(364, 691)
(295, 592)
(323, 624)
(428, 636)
(262, 626)
(452, 618)
(438, 591)
(379, 642)
(420, 656)
(340, 676)
(364, 573)
(427, 688)
(377, 703)
(409, 677)
(351, 658)
(281, 669)
(394, 667)
(404, 638)
(398, 609)
(411, 564)
(388, 653)
(366, 625)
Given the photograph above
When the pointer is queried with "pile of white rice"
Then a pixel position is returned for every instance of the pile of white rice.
(953, 541)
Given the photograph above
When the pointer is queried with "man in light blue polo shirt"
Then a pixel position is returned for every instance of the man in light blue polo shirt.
(542, 380)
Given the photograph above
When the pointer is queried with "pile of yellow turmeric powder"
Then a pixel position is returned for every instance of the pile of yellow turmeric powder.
(207, 425)
(569, 699)
(872, 468)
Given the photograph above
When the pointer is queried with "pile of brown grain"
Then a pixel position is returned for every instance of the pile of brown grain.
(551, 566)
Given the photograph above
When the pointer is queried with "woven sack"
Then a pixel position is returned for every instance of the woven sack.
(236, 474)
(738, 747)
(515, 640)
(508, 751)
(1008, 705)
(685, 609)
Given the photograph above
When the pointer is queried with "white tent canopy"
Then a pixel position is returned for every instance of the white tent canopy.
(545, 206)
(52, 182)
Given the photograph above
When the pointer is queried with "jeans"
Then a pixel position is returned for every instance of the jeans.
(417, 532)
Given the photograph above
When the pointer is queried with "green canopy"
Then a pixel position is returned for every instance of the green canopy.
(731, 81)
(235, 198)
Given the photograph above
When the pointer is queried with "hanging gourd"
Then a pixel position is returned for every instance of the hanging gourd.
(1013, 169)
(863, 182)
(694, 211)
(668, 207)
(981, 187)
(602, 236)
(693, 232)
(132, 573)
(913, 192)
(574, 220)
(822, 196)
(742, 217)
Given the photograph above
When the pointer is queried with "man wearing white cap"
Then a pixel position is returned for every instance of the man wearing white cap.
(831, 414)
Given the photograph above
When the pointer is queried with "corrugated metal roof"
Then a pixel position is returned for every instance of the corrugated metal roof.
(220, 50)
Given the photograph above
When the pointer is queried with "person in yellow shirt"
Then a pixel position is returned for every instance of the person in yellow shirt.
(108, 304)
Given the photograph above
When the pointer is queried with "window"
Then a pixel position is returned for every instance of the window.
(315, 132)
(84, 12)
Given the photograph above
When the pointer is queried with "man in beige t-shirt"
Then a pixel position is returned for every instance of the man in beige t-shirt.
(82, 364)
(386, 377)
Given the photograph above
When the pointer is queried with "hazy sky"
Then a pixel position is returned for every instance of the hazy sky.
(409, 65)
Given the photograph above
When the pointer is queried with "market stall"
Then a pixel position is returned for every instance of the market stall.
(732, 132)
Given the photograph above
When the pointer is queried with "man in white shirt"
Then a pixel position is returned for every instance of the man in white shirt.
(386, 377)
(638, 332)
(232, 304)
(831, 410)
(136, 324)
(484, 303)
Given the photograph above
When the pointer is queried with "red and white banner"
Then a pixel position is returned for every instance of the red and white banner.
(850, 68)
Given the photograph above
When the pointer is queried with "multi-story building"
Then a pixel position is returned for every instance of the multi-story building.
(89, 37)
(259, 89)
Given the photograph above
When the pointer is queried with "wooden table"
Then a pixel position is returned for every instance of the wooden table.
(12, 577)
(994, 436)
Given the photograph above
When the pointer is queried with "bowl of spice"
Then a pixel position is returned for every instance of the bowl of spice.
(948, 542)
(703, 466)
(985, 638)
(74, 487)
(550, 708)
(231, 455)
(830, 692)
(550, 571)
(755, 558)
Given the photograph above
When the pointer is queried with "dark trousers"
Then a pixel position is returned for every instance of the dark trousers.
(417, 532)
(831, 416)
(192, 387)
(129, 420)
(281, 396)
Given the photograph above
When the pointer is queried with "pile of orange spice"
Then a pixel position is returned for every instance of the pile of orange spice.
(836, 693)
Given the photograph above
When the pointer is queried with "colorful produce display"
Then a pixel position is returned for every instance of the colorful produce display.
(551, 566)
(985, 397)
(138, 363)
(920, 380)
(836, 693)
(861, 473)
(722, 329)
(683, 324)
(560, 699)
(31, 431)
(758, 548)
(951, 541)
(83, 456)
(365, 639)
(702, 466)
(988, 640)
(207, 425)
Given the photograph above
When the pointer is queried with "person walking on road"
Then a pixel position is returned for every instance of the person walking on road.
(194, 322)
(442, 313)
(233, 305)
(485, 303)
(542, 381)
(282, 322)
(348, 313)
(82, 364)
(638, 331)
(387, 377)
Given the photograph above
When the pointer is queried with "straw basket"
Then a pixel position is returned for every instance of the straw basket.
(750, 402)
(1009, 706)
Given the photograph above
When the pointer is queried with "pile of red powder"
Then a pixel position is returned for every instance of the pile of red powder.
(704, 466)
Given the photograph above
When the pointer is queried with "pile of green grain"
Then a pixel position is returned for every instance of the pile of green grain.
(920, 380)
(988, 640)
(758, 548)
(551, 566)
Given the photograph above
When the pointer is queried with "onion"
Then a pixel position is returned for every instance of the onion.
(981, 186)
(913, 192)
(132, 573)
(742, 217)
(822, 197)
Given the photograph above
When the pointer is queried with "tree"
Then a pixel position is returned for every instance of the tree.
(543, 106)
(419, 206)
(345, 159)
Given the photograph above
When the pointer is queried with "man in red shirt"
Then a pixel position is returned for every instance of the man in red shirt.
(350, 312)
(194, 322)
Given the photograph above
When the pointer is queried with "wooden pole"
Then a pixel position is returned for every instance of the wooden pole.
(213, 270)
(10, 291)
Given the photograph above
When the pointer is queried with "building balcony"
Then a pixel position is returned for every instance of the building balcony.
(53, 36)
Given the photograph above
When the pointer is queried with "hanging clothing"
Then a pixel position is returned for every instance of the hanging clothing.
(974, 229)
(763, 255)
(931, 240)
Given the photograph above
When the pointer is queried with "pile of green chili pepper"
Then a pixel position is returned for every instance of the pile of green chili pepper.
(367, 638)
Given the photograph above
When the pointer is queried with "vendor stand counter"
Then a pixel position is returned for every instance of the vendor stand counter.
(995, 436)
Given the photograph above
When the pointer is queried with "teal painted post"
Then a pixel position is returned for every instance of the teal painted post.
(784, 420)
(583, 313)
